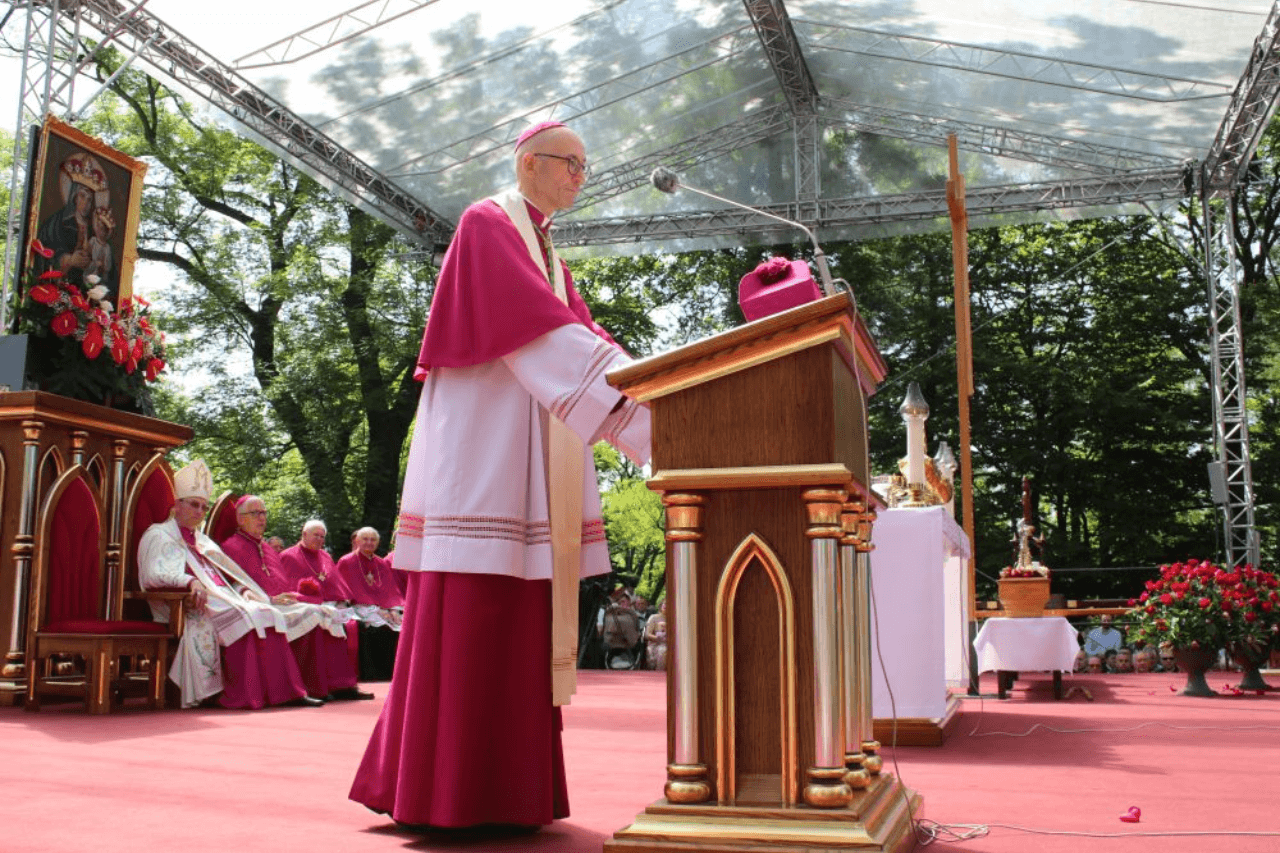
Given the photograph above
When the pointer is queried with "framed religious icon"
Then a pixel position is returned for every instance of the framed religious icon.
(83, 203)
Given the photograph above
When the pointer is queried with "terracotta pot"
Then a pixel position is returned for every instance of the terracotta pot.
(1023, 597)
(1195, 663)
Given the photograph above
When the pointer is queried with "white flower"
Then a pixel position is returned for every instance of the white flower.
(105, 305)
(96, 293)
(92, 278)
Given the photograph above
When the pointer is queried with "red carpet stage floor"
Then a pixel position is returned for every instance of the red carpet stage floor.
(1204, 772)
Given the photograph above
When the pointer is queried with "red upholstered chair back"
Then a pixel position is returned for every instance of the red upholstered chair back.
(155, 502)
(150, 501)
(74, 566)
(221, 522)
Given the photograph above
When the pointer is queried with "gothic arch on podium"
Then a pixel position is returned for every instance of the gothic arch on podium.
(756, 578)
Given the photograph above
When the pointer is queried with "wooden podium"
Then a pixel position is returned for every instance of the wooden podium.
(759, 449)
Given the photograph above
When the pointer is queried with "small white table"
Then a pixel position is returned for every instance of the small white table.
(1009, 646)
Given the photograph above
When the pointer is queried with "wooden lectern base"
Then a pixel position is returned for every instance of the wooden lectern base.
(878, 819)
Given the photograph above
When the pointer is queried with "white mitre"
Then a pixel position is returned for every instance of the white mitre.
(193, 481)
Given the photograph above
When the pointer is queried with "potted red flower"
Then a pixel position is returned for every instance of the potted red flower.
(82, 346)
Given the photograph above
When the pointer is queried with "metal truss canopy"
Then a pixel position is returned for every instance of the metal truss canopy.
(832, 114)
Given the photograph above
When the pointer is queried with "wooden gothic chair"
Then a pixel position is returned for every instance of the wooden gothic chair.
(68, 613)
(150, 501)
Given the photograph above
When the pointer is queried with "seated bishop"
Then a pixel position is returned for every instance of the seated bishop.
(371, 582)
(377, 602)
(236, 642)
(321, 653)
(309, 559)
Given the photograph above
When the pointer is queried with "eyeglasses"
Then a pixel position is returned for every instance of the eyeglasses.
(195, 504)
(576, 166)
(261, 512)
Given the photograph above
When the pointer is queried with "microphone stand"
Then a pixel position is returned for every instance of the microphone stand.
(666, 181)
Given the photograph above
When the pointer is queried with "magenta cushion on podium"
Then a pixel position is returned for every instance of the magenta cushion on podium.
(769, 290)
(104, 626)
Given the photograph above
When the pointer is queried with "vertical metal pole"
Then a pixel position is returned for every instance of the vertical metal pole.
(1230, 403)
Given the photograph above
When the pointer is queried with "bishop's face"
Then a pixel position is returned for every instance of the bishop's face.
(367, 543)
(252, 517)
(189, 512)
(548, 167)
(313, 538)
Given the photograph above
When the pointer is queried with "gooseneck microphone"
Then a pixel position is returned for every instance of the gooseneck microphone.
(667, 181)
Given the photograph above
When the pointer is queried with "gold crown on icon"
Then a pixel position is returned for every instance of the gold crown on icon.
(83, 173)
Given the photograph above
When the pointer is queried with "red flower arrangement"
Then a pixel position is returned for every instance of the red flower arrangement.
(1197, 604)
(1034, 570)
(70, 329)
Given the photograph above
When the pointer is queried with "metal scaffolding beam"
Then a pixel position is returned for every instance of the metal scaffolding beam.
(687, 154)
(773, 26)
(175, 56)
(1012, 143)
(1015, 65)
(782, 48)
(694, 59)
(47, 85)
(1152, 185)
(1230, 402)
(329, 32)
(1252, 104)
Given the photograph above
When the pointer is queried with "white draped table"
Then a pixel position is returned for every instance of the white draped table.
(1009, 646)
(919, 629)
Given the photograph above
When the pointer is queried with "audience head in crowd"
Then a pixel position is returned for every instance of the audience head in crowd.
(1123, 661)
(1144, 660)
(1095, 664)
(1082, 662)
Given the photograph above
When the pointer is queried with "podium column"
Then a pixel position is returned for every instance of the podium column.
(872, 762)
(827, 787)
(687, 780)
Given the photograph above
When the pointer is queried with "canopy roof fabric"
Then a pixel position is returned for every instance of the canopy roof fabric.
(835, 113)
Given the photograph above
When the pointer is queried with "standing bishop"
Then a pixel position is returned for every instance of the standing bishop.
(235, 642)
(499, 515)
(321, 653)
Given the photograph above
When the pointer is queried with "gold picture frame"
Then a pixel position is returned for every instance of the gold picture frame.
(84, 201)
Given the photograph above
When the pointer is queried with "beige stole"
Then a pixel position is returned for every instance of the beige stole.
(565, 470)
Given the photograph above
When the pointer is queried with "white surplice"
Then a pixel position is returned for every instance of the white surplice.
(234, 608)
(475, 490)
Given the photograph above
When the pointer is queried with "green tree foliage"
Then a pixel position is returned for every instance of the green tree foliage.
(1091, 378)
(633, 519)
(297, 322)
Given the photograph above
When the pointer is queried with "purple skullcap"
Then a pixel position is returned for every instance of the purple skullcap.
(536, 129)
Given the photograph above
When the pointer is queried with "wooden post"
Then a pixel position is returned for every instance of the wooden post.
(964, 349)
